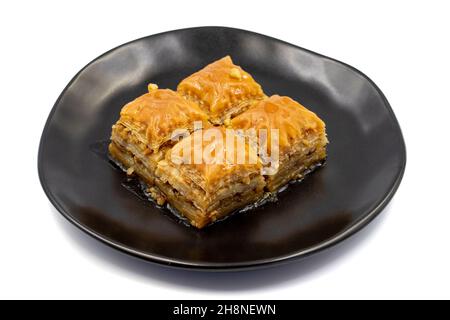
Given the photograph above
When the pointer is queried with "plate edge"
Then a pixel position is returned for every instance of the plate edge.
(257, 264)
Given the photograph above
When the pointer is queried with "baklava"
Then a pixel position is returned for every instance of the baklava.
(216, 144)
(218, 183)
(300, 135)
(146, 127)
(222, 89)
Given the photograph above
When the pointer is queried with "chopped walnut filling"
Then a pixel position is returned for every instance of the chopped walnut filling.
(152, 86)
(235, 74)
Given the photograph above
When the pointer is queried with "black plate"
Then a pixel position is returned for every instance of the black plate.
(366, 155)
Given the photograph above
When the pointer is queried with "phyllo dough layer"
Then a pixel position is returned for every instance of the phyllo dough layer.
(222, 89)
(301, 137)
(136, 162)
(151, 119)
(220, 184)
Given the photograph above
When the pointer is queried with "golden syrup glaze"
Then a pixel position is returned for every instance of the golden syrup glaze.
(222, 89)
(293, 121)
(156, 114)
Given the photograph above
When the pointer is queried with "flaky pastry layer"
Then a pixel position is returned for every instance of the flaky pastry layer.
(222, 89)
(153, 117)
(301, 137)
(221, 94)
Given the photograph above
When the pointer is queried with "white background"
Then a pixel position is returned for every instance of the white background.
(402, 46)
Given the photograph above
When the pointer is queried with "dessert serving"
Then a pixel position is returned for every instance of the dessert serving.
(301, 137)
(143, 132)
(217, 144)
(205, 192)
(222, 89)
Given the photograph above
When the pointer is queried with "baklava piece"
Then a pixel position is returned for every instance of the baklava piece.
(301, 138)
(222, 89)
(218, 184)
(144, 130)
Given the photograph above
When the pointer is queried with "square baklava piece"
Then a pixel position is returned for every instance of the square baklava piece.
(222, 89)
(144, 131)
(298, 133)
(218, 183)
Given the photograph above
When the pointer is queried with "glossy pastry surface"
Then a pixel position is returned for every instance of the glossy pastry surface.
(154, 116)
(217, 144)
(222, 89)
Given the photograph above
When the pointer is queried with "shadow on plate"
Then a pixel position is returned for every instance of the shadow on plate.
(217, 281)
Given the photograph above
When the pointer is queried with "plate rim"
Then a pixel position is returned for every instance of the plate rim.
(366, 218)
